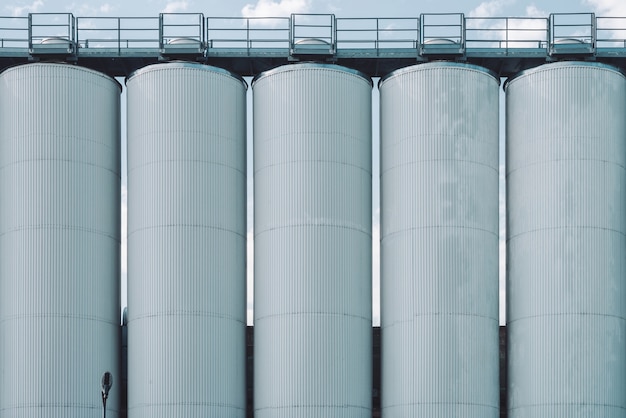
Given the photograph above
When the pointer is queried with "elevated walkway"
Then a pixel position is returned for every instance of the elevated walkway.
(119, 45)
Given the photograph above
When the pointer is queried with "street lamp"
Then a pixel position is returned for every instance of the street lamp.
(107, 382)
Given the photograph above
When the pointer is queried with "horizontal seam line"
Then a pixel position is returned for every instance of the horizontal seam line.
(184, 314)
(152, 404)
(368, 234)
(313, 406)
(495, 234)
(522, 318)
(547, 162)
(64, 160)
(330, 314)
(495, 169)
(364, 169)
(512, 237)
(168, 226)
(442, 403)
(565, 404)
(59, 227)
(448, 314)
(138, 167)
(47, 315)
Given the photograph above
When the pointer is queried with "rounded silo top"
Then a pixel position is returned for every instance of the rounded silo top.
(310, 65)
(435, 65)
(50, 64)
(561, 64)
(175, 65)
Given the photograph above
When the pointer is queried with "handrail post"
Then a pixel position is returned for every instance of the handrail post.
(463, 34)
(594, 34)
(119, 36)
(203, 31)
(377, 37)
(333, 22)
(506, 37)
(291, 33)
(161, 31)
(30, 31)
(549, 32)
(418, 33)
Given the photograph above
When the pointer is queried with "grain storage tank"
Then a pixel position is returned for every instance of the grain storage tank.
(439, 241)
(566, 200)
(186, 242)
(59, 240)
(313, 242)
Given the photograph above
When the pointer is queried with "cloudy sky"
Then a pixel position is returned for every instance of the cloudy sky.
(342, 9)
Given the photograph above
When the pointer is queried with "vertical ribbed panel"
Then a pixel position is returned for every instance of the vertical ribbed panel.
(313, 264)
(566, 200)
(439, 242)
(186, 242)
(59, 241)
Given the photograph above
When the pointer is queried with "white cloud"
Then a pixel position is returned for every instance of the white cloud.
(23, 10)
(86, 9)
(612, 28)
(513, 32)
(270, 8)
(533, 11)
(607, 7)
(175, 7)
(490, 8)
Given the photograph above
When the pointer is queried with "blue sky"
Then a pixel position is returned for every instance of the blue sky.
(341, 8)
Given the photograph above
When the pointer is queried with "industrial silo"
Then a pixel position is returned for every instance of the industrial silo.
(566, 200)
(313, 242)
(59, 240)
(186, 242)
(439, 241)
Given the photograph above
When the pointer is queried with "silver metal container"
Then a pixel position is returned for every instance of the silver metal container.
(566, 200)
(59, 240)
(313, 242)
(439, 241)
(186, 242)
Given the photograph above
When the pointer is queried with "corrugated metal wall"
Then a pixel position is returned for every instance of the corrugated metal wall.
(566, 200)
(186, 242)
(59, 240)
(439, 242)
(60, 237)
(313, 242)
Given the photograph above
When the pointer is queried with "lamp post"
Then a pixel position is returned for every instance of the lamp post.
(107, 382)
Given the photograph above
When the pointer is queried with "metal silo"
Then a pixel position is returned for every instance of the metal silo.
(566, 200)
(439, 241)
(59, 240)
(313, 242)
(186, 242)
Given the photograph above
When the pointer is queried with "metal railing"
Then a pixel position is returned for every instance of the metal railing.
(572, 33)
(578, 33)
(506, 33)
(123, 34)
(610, 32)
(248, 33)
(378, 33)
(51, 31)
(313, 34)
(182, 31)
(13, 32)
